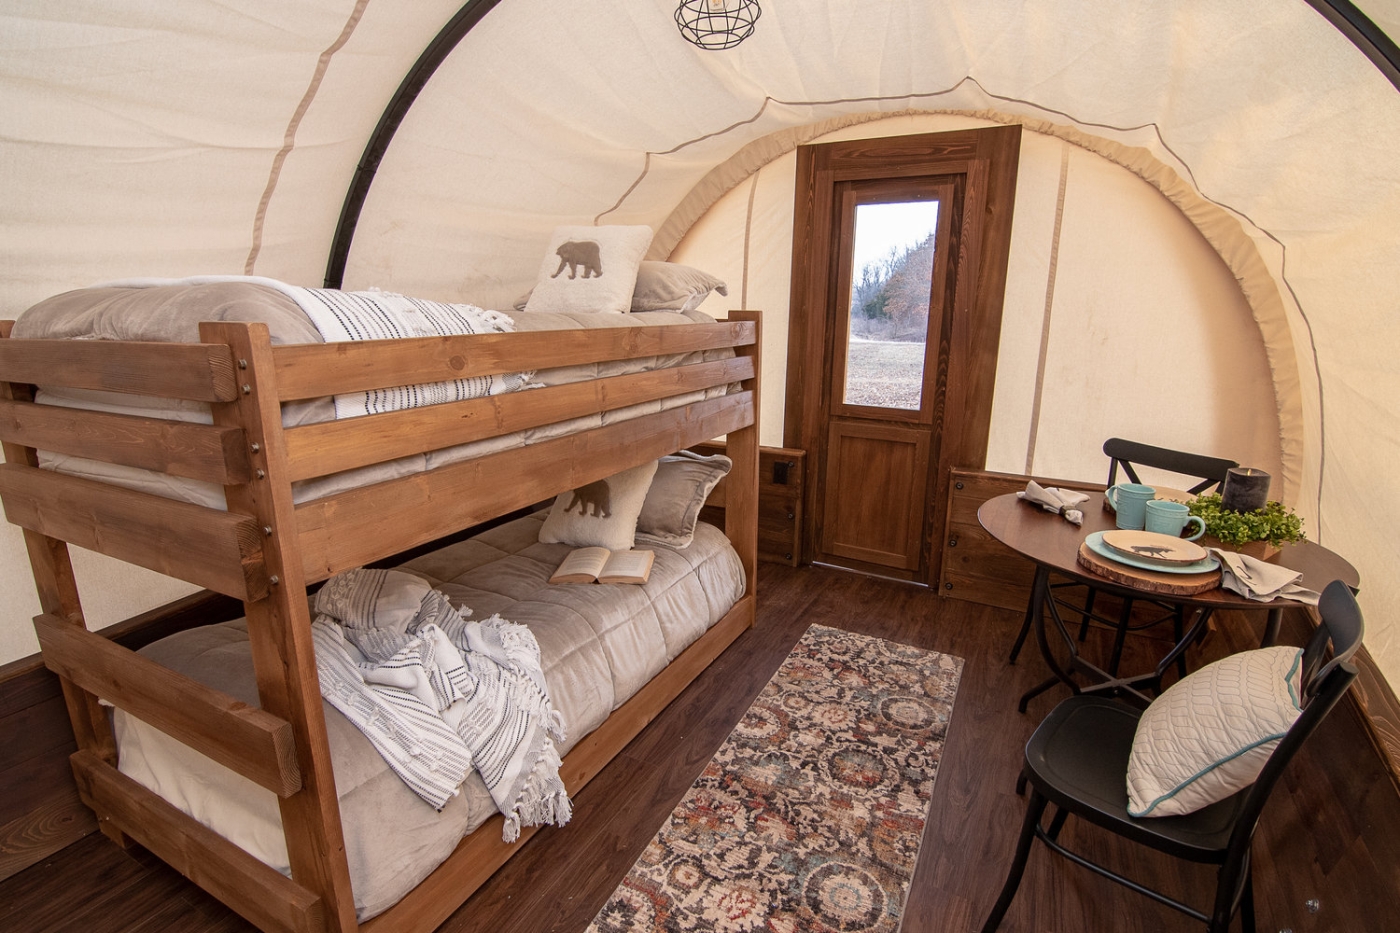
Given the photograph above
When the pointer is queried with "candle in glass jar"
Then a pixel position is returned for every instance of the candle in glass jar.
(1246, 490)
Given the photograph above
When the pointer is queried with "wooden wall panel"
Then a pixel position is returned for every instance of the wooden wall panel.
(976, 566)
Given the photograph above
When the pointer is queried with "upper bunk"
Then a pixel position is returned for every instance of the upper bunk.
(440, 467)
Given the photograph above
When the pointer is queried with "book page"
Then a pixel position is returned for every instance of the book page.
(581, 566)
(627, 567)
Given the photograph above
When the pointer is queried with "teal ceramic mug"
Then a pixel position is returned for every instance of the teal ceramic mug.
(1130, 500)
(1171, 518)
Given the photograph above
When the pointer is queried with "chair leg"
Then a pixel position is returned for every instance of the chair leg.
(1247, 904)
(1034, 809)
(1234, 886)
(1057, 823)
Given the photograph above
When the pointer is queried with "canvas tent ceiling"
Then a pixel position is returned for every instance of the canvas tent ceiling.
(163, 138)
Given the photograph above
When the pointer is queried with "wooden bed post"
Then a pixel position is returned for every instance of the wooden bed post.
(58, 597)
(741, 502)
(279, 626)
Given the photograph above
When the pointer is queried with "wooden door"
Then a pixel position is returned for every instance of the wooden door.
(878, 453)
(887, 313)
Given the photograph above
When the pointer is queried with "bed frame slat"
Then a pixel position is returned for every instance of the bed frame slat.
(312, 370)
(196, 371)
(240, 737)
(196, 451)
(355, 527)
(206, 547)
(263, 895)
(332, 446)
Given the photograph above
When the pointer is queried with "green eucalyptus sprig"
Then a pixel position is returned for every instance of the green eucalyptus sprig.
(1273, 523)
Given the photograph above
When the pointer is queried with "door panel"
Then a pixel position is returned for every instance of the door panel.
(886, 315)
(856, 472)
(877, 475)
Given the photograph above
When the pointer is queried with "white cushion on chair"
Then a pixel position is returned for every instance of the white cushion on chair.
(1210, 733)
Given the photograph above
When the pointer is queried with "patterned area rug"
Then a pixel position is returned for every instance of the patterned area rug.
(810, 815)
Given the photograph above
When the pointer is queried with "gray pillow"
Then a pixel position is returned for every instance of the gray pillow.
(670, 286)
(677, 493)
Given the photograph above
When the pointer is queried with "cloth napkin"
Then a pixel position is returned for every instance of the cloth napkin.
(1254, 579)
(1053, 499)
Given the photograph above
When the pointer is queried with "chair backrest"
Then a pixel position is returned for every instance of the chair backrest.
(1209, 471)
(1323, 683)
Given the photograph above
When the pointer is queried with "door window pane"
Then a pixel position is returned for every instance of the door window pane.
(891, 276)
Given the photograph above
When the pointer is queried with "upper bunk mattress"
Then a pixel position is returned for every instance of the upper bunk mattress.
(173, 313)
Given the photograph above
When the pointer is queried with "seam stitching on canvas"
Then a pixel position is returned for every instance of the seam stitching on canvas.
(289, 137)
(748, 229)
(1049, 304)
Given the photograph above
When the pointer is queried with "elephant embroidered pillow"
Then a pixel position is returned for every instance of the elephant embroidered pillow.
(590, 269)
(678, 491)
(600, 514)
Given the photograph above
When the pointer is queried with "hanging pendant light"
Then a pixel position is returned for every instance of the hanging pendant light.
(717, 24)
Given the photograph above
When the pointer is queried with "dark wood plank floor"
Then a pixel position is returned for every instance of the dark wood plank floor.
(1331, 832)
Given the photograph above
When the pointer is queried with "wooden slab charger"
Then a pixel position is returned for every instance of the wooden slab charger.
(1148, 581)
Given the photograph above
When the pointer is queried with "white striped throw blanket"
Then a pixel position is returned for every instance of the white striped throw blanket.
(343, 316)
(438, 694)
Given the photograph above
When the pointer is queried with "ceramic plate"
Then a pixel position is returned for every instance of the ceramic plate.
(1097, 544)
(1151, 546)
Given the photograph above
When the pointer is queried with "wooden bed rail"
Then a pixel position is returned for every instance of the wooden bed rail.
(195, 371)
(312, 370)
(221, 551)
(352, 528)
(264, 896)
(333, 446)
(240, 737)
(195, 451)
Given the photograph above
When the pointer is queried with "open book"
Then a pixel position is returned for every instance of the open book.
(599, 565)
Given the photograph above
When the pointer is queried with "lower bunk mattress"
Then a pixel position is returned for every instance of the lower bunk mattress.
(599, 645)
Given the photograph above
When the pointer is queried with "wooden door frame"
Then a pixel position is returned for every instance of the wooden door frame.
(989, 158)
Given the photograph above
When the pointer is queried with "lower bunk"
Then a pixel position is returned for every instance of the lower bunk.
(613, 656)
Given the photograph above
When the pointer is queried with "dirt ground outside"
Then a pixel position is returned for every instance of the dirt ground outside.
(884, 373)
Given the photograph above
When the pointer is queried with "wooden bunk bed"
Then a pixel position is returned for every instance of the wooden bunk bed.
(266, 550)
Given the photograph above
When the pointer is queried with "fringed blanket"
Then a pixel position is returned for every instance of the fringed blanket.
(438, 694)
(342, 316)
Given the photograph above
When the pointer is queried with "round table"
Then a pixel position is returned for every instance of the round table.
(1052, 543)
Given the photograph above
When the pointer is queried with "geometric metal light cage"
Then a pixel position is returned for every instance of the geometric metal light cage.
(717, 24)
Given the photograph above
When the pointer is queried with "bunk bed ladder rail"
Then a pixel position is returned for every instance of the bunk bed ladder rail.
(224, 551)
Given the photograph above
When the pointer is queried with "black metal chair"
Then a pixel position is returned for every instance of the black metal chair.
(1205, 473)
(1077, 759)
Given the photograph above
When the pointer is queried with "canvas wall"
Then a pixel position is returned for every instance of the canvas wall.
(1144, 328)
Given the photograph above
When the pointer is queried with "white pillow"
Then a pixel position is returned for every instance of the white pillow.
(1211, 732)
(590, 269)
(602, 513)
